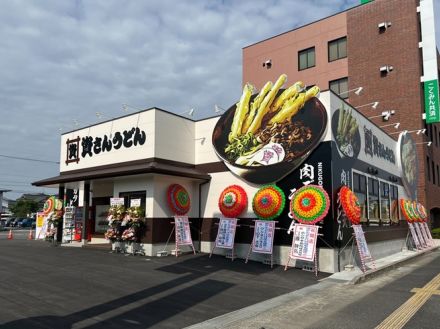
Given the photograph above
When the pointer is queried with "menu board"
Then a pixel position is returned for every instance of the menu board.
(364, 252)
(183, 232)
(263, 237)
(304, 242)
(226, 233)
(414, 236)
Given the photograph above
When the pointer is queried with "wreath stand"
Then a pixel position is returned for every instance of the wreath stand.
(253, 244)
(232, 254)
(363, 258)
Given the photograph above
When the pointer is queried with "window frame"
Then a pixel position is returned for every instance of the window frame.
(337, 42)
(306, 52)
(345, 93)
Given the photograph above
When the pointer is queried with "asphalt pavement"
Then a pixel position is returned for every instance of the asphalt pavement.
(43, 286)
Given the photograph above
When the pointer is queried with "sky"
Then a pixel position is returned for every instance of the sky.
(64, 60)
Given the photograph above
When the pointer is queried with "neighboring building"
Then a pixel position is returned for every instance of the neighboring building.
(384, 46)
(39, 198)
(4, 203)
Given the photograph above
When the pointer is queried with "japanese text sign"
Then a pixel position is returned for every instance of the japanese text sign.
(364, 252)
(183, 232)
(226, 233)
(263, 236)
(304, 242)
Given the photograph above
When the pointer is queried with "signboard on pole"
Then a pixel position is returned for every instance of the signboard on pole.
(263, 236)
(414, 236)
(40, 226)
(364, 252)
(116, 201)
(304, 242)
(183, 232)
(226, 233)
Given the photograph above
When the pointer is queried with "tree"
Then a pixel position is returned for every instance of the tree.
(23, 208)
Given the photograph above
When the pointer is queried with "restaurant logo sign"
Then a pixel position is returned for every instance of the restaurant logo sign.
(432, 109)
(373, 147)
(88, 146)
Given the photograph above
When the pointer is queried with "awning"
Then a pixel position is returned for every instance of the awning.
(148, 166)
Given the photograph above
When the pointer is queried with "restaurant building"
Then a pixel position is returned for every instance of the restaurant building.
(382, 58)
(141, 154)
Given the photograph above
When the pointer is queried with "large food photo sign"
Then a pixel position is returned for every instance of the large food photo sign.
(269, 133)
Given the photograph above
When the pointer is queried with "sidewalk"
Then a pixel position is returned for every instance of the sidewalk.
(272, 306)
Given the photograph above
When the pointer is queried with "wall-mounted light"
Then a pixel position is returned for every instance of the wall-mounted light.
(357, 91)
(393, 178)
(383, 26)
(385, 115)
(372, 170)
(201, 139)
(386, 69)
(373, 105)
(427, 143)
(189, 112)
(395, 125)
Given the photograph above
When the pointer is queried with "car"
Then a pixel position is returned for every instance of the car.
(6, 222)
(14, 223)
(26, 222)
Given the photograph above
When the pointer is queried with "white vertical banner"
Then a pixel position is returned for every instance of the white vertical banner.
(364, 252)
(183, 232)
(414, 236)
(304, 242)
(423, 233)
(263, 236)
(423, 243)
(226, 233)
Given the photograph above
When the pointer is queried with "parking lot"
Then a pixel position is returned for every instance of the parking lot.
(44, 286)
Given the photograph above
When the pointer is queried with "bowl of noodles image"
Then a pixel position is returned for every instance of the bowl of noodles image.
(279, 142)
(409, 168)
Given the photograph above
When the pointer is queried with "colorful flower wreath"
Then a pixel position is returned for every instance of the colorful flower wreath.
(422, 212)
(268, 202)
(309, 204)
(178, 199)
(350, 205)
(407, 210)
(49, 205)
(232, 201)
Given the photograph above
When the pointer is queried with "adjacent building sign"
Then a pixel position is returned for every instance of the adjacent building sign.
(429, 54)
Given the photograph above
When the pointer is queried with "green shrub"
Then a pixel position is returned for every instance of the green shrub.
(436, 233)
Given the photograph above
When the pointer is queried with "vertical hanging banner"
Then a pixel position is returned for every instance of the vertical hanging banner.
(226, 233)
(429, 55)
(304, 242)
(263, 237)
(414, 236)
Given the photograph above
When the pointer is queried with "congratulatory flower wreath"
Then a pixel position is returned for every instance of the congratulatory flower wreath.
(178, 199)
(350, 205)
(309, 204)
(268, 203)
(407, 211)
(232, 201)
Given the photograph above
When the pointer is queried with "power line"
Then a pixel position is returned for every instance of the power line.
(27, 159)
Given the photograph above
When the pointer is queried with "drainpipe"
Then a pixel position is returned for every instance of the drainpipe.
(200, 212)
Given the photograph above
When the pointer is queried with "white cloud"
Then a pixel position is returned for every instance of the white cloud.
(66, 60)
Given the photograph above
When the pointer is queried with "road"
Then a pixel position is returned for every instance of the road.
(43, 286)
(406, 297)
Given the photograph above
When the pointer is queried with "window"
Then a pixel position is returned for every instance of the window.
(385, 203)
(306, 58)
(337, 49)
(339, 87)
(128, 196)
(360, 189)
(394, 204)
(373, 201)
